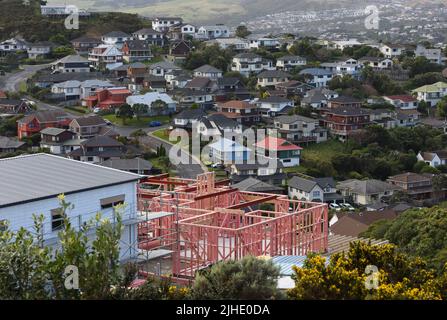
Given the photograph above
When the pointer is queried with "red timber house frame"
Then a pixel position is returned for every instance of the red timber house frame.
(200, 222)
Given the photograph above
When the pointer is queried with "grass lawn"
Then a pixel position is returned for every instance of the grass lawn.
(323, 151)
(164, 134)
(141, 123)
(295, 169)
(78, 110)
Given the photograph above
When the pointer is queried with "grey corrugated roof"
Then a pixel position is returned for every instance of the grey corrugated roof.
(6, 143)
(37, 176)
(255, 185)
(127, 164)
(302, 184)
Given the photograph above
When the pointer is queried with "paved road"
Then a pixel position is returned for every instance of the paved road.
(11, 81)
(188, 168)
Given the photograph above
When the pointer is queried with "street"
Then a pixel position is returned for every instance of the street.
(189, 168)
(11, 81)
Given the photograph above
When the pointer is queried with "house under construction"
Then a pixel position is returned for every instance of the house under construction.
(188, 225)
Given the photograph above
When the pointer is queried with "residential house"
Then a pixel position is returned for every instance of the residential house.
(431, 93)
(71, 63)
(257, 42)
(287, 63)
(98, 149)
(344, 102)
(280, 149)
(136, 73)
(162, 68)
(54, 139)
(353, 224)
(108, 98)
(433, 158)
(202, 84)
(8, 145)
(34, 123)
(318, 77)
(115, 38)
(269, 78)
(313, 189)
(13, 107)
(68, 90)
(39, 49)
(135, 165)
(228, 151)
(262, 169)
(150, 36)
(181, 31)
(84, 44)
(187, 118)
(318, 98)
(249, 63)
(434, 55)
(293, 88)
(105, 56)
(179, 50)
(365, 192)
(14, 45)
(162, 24)
(392, 51)
(88, 126)
(344, 67)
(237, 44)
(407, 118)
(377, 63)
(88, 188)
(419, 187)
(155, 83)
(89, 87)
(208, 71)
(150, 99)
(136, 50)
(243, 112)
(177, 79)
(187, 97)
(217, 125)
(273, 105)
(404, 102)
(343, 122)
(212, 32)
(298, 129)
(230, 88)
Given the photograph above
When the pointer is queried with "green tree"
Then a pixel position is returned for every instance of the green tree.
(125, 112)
(344, 277)
(158, 106)
(441, 108)
(248, 278)
(139, 109)
(242, 31)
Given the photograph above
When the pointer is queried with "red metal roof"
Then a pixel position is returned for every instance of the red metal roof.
(278, 144)
(404, 98)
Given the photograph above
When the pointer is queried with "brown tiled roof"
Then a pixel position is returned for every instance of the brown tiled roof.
(352, 224)
(236, 104)
(409, 177)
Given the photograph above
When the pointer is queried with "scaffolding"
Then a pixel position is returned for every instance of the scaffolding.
(194, 223)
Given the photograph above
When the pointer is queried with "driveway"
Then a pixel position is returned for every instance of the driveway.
(11, 81)
(189, 168)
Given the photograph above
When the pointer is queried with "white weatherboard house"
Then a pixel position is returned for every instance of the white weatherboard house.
(31, 184)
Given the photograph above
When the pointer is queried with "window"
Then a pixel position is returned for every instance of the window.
(57, 219)
(112, 201)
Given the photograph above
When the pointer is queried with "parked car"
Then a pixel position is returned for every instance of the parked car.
(154, 124)
(334, 206)
(96, 110)
(217, 165)
(108, 122)
(347, 206)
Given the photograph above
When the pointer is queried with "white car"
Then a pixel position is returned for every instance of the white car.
(96, 110)
(347, 206)
(334, 206)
